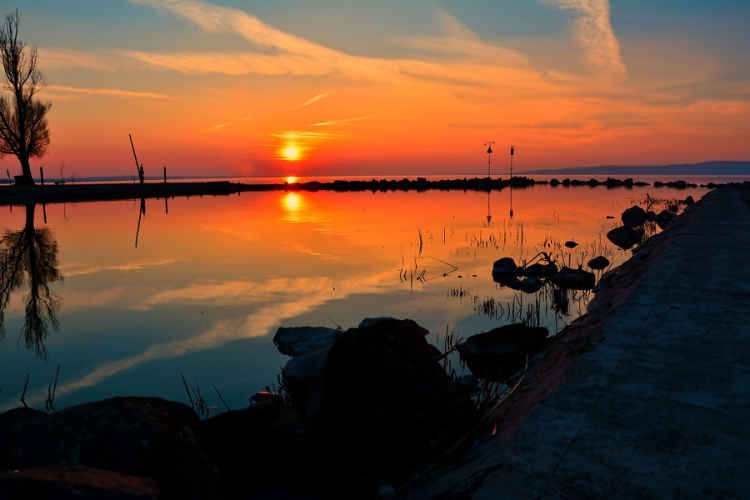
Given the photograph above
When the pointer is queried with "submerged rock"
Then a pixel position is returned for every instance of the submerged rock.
(498, 354)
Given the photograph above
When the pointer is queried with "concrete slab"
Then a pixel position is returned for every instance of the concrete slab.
(646, 397)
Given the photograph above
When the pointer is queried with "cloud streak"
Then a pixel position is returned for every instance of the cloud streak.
(62, 92)
(595, 33)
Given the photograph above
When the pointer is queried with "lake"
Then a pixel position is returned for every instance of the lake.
(135, 294)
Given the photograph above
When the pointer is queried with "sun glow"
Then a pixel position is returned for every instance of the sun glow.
(291, 153)
(291, 179)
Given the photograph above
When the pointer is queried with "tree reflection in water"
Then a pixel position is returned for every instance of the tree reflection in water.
(28, 261)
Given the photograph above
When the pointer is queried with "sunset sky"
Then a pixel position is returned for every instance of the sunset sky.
(339, 87)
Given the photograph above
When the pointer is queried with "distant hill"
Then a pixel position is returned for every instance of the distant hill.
(705, 168)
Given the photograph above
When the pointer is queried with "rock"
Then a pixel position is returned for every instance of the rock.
(74, 483)
(300, 372)
(539, 270)
(664, 218)
(296, 341)
(371, 321)
(144, 437)
(689, 201)
(574, 279)
(383, 389)
(504, 269)
(526, 285)
(599, 263)
(634, 216)
(624, 237)
(499, 353)
(571, 244)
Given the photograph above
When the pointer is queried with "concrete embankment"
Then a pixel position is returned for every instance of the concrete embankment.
(647, 396)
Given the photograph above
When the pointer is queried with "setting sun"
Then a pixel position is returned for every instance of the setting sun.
(291, 153)
(291, 179)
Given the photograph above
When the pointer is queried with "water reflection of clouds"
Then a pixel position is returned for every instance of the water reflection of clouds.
(290, 298)
(79, 269)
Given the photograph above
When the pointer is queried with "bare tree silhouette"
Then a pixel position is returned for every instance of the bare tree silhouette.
(28, 260)
(23, 119)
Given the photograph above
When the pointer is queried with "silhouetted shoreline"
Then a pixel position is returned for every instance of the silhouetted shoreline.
(13, 195)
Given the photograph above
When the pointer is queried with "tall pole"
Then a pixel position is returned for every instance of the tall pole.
(489, 156)
(511, 161)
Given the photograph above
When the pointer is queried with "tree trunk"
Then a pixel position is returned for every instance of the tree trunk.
(26, 179)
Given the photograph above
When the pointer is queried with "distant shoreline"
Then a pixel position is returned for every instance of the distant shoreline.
(18, 195)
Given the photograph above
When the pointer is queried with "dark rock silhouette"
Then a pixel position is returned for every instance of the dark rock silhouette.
(74, 483)
(664, 218)
(143, 437)
(624, 237)
(382, 387)
(504, 269)
(634, 216)
(574, 279)
(501, 352)
(598, 263)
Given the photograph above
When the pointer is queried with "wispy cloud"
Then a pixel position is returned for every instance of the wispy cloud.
(594, 31)
(62, 93)
(220, 126)
(343, 120)
(313, 100)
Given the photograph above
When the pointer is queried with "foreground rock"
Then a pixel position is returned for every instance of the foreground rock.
(378, 406)
(140, 437)
(382, 388)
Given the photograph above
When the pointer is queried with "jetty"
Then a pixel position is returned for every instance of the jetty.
(647, 395)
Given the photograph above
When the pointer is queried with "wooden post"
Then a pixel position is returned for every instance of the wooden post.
(41, 174)
(165, 174)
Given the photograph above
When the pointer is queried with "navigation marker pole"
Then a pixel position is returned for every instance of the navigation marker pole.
(489, 155)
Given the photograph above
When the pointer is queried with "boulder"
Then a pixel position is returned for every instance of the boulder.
(371, 321)
(539, 270)
(526, 285)
(504, 269)
(664, 218)
(74, 483)
(501, 352)
(634, 216)
(144, 437)
(624, 237)
(382, 388)
(296, 341)
(574, 279)
(299, 374)
(599, 263)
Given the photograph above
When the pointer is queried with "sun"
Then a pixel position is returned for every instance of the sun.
(291, 153)
(291, 179)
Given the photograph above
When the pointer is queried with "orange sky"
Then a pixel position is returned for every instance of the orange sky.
(382, 88)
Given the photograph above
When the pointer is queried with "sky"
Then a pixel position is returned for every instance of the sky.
(336, 87)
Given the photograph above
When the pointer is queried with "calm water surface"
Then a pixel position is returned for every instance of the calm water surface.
(199, 286)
